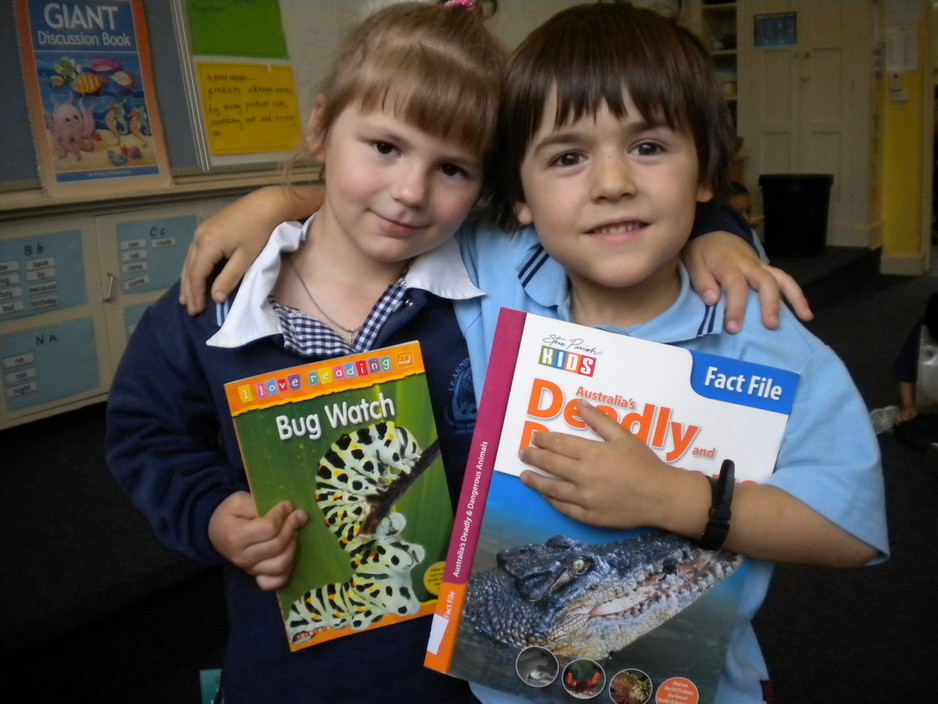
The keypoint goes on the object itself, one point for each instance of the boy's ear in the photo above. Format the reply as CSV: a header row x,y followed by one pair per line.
x,y
315,134
523,213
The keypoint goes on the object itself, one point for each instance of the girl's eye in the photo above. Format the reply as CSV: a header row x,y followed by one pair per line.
x,y
385,148
567,159
453,171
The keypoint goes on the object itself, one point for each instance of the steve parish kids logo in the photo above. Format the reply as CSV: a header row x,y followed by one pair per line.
x,y
569,355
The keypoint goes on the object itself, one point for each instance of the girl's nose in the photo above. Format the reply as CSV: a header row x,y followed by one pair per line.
x,y
410,187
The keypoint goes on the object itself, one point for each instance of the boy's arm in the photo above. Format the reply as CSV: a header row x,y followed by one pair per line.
x,y
238,234
591,484
715,260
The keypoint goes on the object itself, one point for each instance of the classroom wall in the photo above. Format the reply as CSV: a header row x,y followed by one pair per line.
x,y
313,29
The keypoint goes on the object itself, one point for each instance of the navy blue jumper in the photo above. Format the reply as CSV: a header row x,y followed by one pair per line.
x,y
172,447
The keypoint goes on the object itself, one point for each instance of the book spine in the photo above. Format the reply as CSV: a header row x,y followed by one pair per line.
x,y
470,508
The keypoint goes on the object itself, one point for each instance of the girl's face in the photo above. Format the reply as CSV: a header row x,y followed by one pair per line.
x,y
393,191
612,199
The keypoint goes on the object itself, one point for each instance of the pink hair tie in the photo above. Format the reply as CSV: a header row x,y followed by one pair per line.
x,y
468,4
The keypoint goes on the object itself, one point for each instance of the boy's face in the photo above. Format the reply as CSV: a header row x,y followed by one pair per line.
x,y
393,191
613,200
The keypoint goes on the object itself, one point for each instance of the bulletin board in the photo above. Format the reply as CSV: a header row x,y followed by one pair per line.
x,y
239,81
310,33
269,59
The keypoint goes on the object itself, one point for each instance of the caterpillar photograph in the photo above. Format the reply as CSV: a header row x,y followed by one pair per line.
x,y
358,482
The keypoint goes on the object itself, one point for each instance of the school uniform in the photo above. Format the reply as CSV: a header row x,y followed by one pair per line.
x,y
829,457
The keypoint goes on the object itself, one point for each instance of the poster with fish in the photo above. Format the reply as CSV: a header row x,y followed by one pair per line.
x,y
553,610
91,98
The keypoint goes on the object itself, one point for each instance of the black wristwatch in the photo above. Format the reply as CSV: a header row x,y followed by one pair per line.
x,y
721,499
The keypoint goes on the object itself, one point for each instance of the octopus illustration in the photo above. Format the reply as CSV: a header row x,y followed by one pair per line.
x,y
72,128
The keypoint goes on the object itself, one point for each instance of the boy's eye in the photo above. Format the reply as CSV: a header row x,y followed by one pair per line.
x,y
567,159
648,149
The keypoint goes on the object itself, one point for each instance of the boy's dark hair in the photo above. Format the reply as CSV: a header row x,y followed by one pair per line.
x,y
737,189
591,55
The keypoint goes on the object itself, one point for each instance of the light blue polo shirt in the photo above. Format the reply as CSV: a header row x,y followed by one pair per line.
x,y
829,457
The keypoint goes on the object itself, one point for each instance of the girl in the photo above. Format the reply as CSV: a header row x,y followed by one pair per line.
x,y
404,161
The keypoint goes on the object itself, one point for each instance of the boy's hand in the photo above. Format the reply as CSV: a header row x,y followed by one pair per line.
x,y
723,260
614,483
261,546
239,233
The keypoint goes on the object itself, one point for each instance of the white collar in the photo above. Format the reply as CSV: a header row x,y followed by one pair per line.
x,y
251,316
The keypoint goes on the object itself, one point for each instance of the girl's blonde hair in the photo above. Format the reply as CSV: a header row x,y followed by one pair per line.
x,y
435,67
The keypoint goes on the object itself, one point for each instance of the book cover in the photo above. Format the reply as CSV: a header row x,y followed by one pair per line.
x,y
541,606
91,98
353,442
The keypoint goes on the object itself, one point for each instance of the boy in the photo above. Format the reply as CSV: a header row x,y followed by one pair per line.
x,y
618,131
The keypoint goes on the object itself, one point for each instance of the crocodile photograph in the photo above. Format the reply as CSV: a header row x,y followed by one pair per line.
x,y
581,600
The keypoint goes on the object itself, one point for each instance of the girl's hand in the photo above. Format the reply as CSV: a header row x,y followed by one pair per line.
x,y
264,546
723,260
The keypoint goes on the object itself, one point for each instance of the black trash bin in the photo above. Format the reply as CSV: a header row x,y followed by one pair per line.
x,y
795,207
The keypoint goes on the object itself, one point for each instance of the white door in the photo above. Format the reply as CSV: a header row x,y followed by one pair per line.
x,y
805,102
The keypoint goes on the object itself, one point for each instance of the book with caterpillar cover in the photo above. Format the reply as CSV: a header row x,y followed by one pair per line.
x,y
544,607
353,442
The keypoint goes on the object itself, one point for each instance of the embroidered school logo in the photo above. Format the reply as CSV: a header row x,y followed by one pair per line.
x,y
568,361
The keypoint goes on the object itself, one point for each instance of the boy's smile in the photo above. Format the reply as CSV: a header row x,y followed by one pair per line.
x,y
612,200
394,191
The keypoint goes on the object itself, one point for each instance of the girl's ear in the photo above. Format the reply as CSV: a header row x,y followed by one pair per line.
x,y
315,130
704,193
523,213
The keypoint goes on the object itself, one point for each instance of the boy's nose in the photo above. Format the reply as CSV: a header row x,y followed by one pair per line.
x,y
612,177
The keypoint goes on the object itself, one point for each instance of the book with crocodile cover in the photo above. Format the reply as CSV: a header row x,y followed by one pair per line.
x,y
353,442
549,609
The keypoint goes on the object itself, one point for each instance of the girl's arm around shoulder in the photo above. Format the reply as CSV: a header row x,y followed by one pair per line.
x,y
721,255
